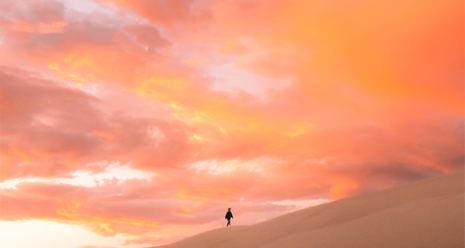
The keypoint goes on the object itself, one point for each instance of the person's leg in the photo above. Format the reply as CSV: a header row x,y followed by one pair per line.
x,y
229,223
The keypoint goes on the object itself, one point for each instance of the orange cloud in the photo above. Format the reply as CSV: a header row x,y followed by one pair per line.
x,y
335,48
105,135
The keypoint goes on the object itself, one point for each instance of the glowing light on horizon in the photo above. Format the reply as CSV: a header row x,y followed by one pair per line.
x,y
42,233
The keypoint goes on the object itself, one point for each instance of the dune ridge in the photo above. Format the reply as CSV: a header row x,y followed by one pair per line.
x,y
427,214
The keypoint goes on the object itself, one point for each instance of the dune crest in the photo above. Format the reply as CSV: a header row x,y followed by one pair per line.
x,y
426,214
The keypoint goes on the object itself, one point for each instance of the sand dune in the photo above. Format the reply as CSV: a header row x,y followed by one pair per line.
x,y
424,214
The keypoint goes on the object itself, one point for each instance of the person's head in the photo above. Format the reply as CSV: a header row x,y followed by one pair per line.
x,y
229,209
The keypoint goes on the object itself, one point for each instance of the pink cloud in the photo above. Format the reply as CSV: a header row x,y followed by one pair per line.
x,y
33,16
166,13
371,102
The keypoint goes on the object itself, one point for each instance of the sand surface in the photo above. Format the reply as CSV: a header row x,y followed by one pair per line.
x,y
423,214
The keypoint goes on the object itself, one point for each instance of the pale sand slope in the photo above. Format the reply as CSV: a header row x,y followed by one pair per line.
x,y
427,213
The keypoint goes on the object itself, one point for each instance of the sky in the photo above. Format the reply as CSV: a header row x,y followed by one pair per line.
x,y
138,123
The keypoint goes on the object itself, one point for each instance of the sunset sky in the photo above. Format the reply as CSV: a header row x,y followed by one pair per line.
x,y
138,123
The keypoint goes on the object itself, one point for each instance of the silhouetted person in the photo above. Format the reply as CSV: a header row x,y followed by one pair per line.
x,y
228,217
